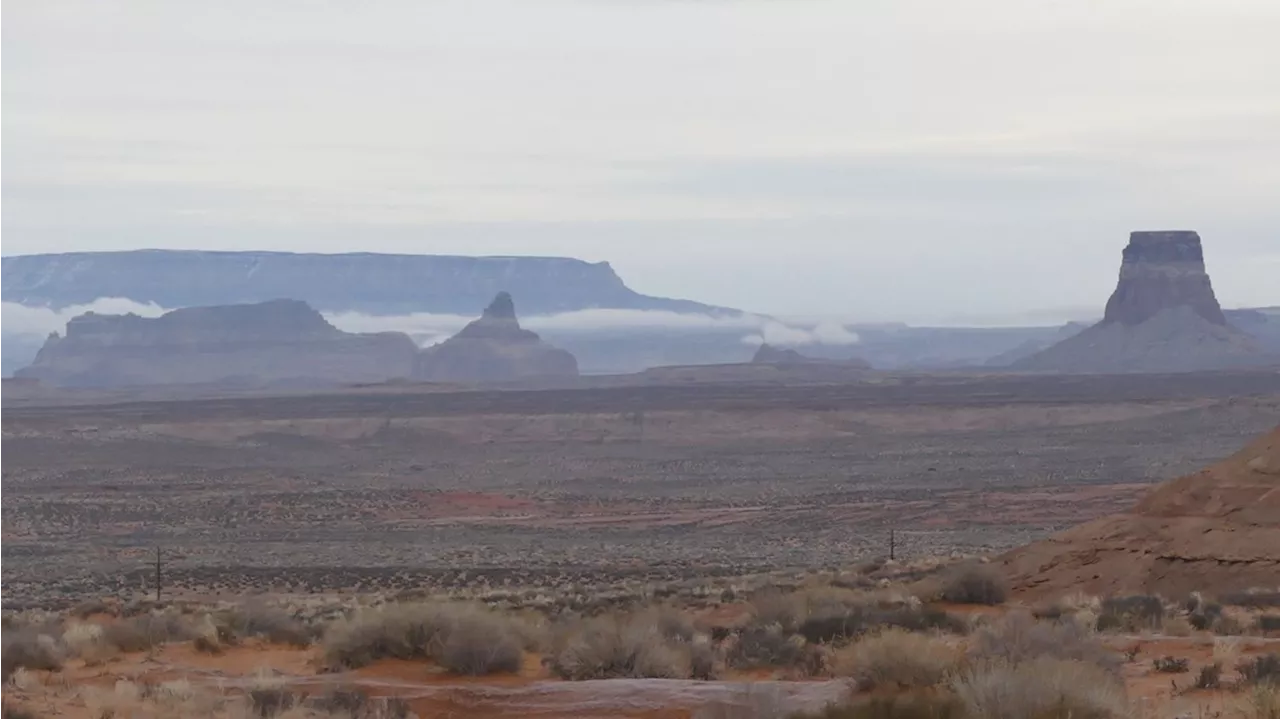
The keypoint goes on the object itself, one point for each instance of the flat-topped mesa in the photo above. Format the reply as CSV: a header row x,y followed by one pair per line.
x,y
273,342
1162,270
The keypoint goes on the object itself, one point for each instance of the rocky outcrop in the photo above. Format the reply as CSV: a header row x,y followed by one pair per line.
x,y
1160,271
494,348
769,354
1218,529
364,282
1162,317
281,341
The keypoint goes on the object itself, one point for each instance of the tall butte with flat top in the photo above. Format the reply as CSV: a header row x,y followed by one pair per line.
x,y
1161,270
1162,317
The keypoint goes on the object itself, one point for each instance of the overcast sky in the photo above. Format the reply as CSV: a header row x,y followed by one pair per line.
x,y
868,159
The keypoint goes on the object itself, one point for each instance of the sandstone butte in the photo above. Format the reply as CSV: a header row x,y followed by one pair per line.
x,y
1217,530
1162,317
494,348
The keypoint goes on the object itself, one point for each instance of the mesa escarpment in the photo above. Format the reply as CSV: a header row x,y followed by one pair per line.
x,y
280,341
1216,529
494,348
1162,317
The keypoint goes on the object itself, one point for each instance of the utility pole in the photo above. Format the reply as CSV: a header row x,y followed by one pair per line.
x,y
157,573
892,549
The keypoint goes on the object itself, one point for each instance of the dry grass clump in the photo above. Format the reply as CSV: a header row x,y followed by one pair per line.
x,y
256,619
1018,638
463,638
1256,598
898,659
974,584
1135,613
1044,687
146,631
30,649
1262,669
643,645
1264,702
772,647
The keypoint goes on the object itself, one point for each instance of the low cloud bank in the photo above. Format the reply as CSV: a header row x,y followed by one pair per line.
x,y
429,328
19,319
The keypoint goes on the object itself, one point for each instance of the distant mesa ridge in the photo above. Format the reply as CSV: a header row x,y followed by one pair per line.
x,y
379,284
769,354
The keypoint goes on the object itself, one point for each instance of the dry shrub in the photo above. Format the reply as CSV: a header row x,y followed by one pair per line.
x,y
1210,676
1262,669
145,631
465,639
786,610
859,620
1264,702
622,646
768,647
1169,664
1018,638
29,649
1135,613
974,584
1045,687
260,620
1268,623
898,659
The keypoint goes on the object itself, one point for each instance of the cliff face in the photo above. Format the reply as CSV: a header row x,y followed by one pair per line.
x,y
1162,317
357,282
1162,270
281,341
494,348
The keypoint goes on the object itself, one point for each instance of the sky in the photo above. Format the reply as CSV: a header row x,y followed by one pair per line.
x,y
932,162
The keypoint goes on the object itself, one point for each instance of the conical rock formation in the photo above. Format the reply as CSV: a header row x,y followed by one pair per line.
x,y
1216,530
494,348
1162,317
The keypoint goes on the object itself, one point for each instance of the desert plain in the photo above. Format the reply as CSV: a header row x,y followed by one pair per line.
x,y
708,497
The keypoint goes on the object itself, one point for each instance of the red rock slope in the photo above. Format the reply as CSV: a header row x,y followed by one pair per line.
x,y
1215,531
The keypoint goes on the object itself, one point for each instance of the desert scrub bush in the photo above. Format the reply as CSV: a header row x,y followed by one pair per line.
x,y
1268,623
1171,665
974,584
1264,702
898,659
1262,669
1042,687
856,621
1018,638
1134,613
262,621
614,646
1210,676
773,647
145,631
463,638
29,649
